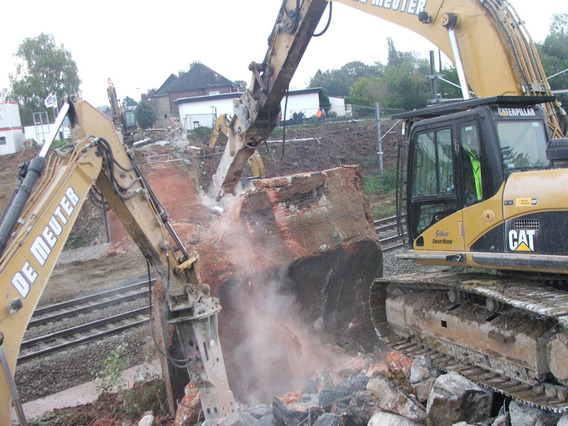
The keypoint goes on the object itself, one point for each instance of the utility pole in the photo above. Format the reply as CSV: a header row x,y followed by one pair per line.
x,y
379,143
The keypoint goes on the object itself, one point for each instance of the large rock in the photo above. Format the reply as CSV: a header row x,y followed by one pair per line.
x,y
454,398
291,260
390,397
422,376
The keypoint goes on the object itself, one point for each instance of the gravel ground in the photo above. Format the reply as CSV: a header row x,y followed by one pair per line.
x,y
53,373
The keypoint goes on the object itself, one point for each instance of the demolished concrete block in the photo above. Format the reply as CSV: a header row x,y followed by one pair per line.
x,y
329,396
353,383
422,376
422,370
292,261
391,398
454,398
390,419
361,408
189,408
244,419
525,415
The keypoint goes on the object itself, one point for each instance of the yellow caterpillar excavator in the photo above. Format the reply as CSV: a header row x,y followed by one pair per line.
x,y
483,189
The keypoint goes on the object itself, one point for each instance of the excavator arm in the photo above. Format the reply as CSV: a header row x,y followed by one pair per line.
x,y
34,240
486,40
256,112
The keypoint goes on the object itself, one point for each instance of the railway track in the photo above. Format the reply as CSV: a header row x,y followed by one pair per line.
x,y
388,233
54,327
81,320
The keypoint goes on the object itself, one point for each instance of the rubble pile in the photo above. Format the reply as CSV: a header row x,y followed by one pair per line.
x,y
388,393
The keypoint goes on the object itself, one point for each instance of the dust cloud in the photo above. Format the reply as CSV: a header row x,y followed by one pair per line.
x,y
274,349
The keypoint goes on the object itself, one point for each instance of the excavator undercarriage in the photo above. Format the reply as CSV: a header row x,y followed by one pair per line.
x,y
504,332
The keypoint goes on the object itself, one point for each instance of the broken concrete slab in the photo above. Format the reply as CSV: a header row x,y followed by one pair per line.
x,y
391,398
422,376
454,398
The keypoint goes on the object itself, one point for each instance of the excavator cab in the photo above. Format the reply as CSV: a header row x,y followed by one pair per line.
x,y
474,169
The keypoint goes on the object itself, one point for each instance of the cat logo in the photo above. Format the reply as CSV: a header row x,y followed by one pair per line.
x,y
521,239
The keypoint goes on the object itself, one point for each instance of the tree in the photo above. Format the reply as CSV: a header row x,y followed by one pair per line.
x,y
241,85
367,91
42,68
145,115
402,84
129,102
339,82
554,51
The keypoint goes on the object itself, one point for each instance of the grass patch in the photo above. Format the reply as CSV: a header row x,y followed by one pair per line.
x,y
380,211
373,183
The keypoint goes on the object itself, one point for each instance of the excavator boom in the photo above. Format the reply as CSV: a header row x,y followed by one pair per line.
x,y
463,30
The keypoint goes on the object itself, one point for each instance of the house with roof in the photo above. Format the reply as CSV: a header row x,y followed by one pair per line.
x,y
201,95
200,111
199,80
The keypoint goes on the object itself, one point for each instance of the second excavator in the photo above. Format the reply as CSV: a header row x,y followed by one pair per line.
x,y
484,189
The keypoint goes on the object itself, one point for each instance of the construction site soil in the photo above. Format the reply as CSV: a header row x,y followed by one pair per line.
x,y
307,148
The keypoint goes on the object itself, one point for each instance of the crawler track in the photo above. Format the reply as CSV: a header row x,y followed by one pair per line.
x,y
545,302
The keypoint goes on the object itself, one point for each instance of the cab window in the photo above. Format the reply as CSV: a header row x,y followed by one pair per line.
x,y
433,167
432,186
523,144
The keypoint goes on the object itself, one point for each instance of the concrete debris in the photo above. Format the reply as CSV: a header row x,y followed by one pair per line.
x,y
525,415
189,408
376,369
291,262
397,361
286,412
454,398
328,419
391,398
244,419
422,376
354,383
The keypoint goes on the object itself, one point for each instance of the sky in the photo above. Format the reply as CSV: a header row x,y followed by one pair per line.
x,y
139,44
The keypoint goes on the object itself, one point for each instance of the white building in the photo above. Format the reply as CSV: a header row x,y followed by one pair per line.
x,y
337,106
204,110
11,131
